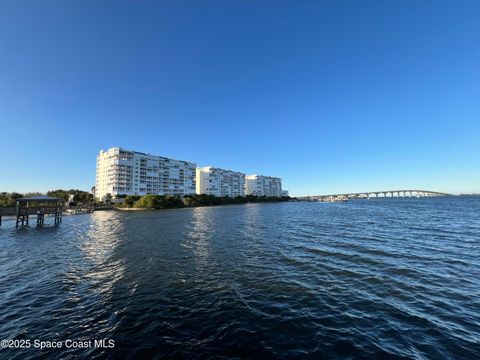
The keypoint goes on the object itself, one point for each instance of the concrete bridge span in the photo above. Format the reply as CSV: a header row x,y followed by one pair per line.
x,y
375,194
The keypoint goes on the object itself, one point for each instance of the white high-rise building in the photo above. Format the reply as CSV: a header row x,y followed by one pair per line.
x,y
260,185
220,182
124,172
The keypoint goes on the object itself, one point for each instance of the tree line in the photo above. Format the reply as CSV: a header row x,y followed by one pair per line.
x,y
146,201
193,200
9,199
80,196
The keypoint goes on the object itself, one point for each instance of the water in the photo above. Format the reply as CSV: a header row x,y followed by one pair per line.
x,y
363,279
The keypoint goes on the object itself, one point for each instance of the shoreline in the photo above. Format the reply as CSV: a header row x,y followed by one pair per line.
x,y
135,209
193,207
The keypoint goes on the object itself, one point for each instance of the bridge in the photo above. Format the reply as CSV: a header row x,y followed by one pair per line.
x,y
375,195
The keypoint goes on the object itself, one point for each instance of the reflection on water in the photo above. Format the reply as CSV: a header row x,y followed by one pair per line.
x,y
199,233
365,279
101,241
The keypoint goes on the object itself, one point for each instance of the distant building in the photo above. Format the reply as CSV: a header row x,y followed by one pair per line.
x,y
263,185
220,182
285,193
124,172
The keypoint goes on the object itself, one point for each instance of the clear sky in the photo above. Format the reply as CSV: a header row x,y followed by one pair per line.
x,y
332,96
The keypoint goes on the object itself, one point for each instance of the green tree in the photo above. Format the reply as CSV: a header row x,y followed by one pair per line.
x,y
147,201
130,200
108,198
9,199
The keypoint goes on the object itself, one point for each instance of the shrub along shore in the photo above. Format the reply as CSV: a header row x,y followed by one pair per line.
x,y
84,197
176,201
145,202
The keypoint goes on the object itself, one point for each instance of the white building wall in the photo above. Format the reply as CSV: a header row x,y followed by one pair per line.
x,y
124,172
260,185
220,182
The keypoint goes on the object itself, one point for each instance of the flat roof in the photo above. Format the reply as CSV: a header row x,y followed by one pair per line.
x,y
39,198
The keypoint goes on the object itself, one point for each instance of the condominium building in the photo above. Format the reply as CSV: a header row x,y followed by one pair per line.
x,y
263,185
220,182
124,172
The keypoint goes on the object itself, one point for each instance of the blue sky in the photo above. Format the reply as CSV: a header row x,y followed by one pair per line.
x,y
332,96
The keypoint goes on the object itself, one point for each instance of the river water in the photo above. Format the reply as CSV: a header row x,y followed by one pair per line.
x,y
383,278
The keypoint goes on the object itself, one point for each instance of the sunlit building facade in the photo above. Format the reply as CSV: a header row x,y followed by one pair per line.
x,y
124,172
220,182
260,185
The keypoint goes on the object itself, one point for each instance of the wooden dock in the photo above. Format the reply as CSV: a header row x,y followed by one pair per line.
x,y
39,206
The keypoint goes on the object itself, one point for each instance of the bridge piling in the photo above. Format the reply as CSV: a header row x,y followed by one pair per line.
x,y
376,194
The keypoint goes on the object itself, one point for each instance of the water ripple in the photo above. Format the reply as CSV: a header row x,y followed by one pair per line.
x,y
387,279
